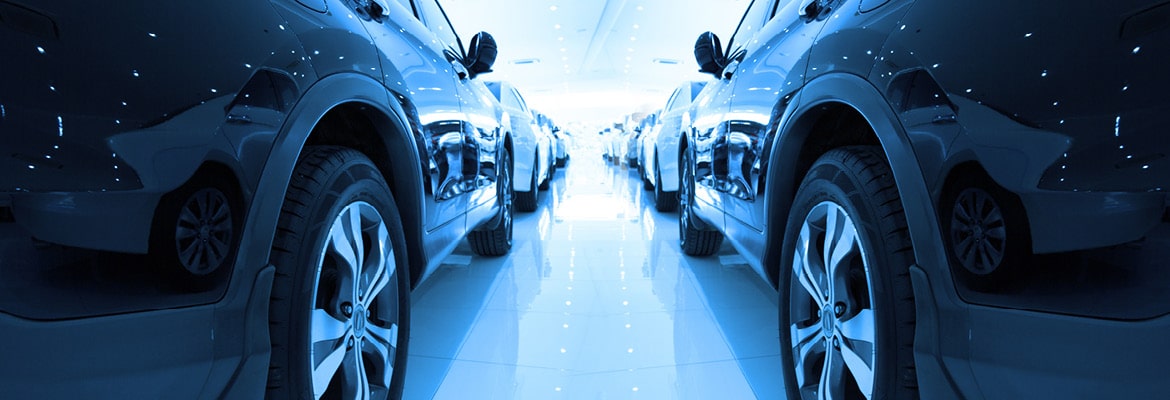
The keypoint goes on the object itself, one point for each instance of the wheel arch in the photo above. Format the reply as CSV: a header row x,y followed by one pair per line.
x,y
350,110
812,124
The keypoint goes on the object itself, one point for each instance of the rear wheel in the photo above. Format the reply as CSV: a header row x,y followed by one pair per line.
x,y
646,184
339,312
497,240
985,233
695,238
847,309
526,201
198,235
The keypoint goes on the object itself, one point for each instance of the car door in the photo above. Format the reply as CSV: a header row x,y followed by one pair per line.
x,y
710,124
414,60
767,68
480,128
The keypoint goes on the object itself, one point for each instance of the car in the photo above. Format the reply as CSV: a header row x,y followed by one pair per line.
x,y
238,211
534,157
634,142
658,158
952,201
561,138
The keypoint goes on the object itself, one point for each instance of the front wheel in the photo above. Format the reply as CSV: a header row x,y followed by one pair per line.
x,y
497,240
695,238
663,201
339,312
847,308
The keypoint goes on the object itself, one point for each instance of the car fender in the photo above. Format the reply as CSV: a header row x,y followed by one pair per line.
x,y
318,100
867,100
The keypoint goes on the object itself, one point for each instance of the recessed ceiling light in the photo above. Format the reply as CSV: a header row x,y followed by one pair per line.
x,y
564,49
557,26
561,38
640,8
636,26
552,8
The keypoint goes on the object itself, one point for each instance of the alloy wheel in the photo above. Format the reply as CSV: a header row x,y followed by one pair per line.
x,y
203,232
353,324
833,329
978,234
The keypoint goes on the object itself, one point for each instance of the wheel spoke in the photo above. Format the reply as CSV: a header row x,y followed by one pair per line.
x,y
380,265
807,360
991,253
857,348
832,376
381,347
860,327
327,328
328,335
346,242
806,272
357,384
189,253
996,232
840,244
861,370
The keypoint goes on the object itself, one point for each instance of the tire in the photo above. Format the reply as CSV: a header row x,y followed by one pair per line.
x,y
646,184
847,325
548,177
985,232
695,238
497,240
526,201
334,336
663,201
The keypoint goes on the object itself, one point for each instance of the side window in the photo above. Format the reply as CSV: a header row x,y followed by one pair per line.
x,y
758,13
520,100
673,102
435,19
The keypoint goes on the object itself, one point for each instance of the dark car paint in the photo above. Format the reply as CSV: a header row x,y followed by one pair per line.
x,y
236,102
937,100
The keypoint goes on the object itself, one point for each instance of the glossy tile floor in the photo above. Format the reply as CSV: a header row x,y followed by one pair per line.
x,y
595,301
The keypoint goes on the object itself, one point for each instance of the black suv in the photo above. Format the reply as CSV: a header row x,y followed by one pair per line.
x,y
954,199
223,198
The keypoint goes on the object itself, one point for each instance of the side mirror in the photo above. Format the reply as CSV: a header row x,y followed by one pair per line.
x,y
481,54
709,54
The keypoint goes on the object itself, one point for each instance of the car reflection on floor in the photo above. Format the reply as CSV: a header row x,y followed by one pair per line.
x,y
595,301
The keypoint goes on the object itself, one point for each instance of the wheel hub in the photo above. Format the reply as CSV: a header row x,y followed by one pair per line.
x,y
359,321
828,322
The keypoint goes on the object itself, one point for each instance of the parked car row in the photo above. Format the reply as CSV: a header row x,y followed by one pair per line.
x,y
953,201
535,159
243,211
658,149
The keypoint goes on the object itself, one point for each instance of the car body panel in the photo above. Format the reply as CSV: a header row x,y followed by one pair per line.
x,y
533,148
660,152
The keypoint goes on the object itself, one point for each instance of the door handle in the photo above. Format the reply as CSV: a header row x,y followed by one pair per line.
x,y
813,9
375,10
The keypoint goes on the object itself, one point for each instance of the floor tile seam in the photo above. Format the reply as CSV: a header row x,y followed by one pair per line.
x,y
585,373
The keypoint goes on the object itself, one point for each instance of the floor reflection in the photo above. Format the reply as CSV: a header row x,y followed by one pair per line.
x,y
594,301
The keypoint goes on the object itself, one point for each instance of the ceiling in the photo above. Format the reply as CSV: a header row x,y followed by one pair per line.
x,y
594,61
